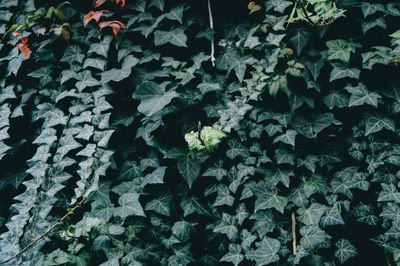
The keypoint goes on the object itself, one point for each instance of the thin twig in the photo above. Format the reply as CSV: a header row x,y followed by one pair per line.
x,y
306,13
212,39
294,232
60,222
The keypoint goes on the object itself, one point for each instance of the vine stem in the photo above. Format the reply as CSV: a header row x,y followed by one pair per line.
x,y
294,232
306,13
212,27
66,216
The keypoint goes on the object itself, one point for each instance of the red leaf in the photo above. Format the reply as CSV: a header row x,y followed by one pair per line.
x,y
41,31
115,24
99,3
23,47
117,2
93,15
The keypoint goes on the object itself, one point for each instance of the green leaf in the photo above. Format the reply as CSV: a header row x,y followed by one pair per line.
x,y
339,72
175,37
116,74
389,193
217,170
311,126
288,138
129,205
278,5
182,230
313,236
267,198
224,197
158,4
345,250
236,149
266,252
234,255
153,97
336,98
102,47
72,54
375,123
85,80
340,50
189,166
360,95
160,205
263,222
227,226
176,13
311,215
193,205
300,38
209,137
332,217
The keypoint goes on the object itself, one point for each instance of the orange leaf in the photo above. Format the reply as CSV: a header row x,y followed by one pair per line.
x,y
99,3
114,24
93,15
16,33
23,47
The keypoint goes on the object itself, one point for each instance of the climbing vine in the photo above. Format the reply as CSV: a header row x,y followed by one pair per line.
x,y
155,132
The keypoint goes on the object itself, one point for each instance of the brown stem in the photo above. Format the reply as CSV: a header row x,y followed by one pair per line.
x,y
66,216
294,232
306,13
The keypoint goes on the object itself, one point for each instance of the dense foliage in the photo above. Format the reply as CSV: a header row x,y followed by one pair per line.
x,y
103,159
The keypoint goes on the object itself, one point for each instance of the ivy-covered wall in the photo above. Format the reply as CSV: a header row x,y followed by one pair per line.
x,y
298,156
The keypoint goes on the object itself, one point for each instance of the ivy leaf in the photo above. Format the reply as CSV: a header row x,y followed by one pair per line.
x,y
300,38
129,205
288,138
176,13
340,49
312,215
160,205
224,197
175,37
345,250
153,97
217,170
312,236
227,226
311,126
389,193
234,255
267,198
189,166
156,177
193,205
236,149
339,72
279,5
332,217
72,54
158,4
360,95
375,123
102,47
336,98
264,222
266,252
85,80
